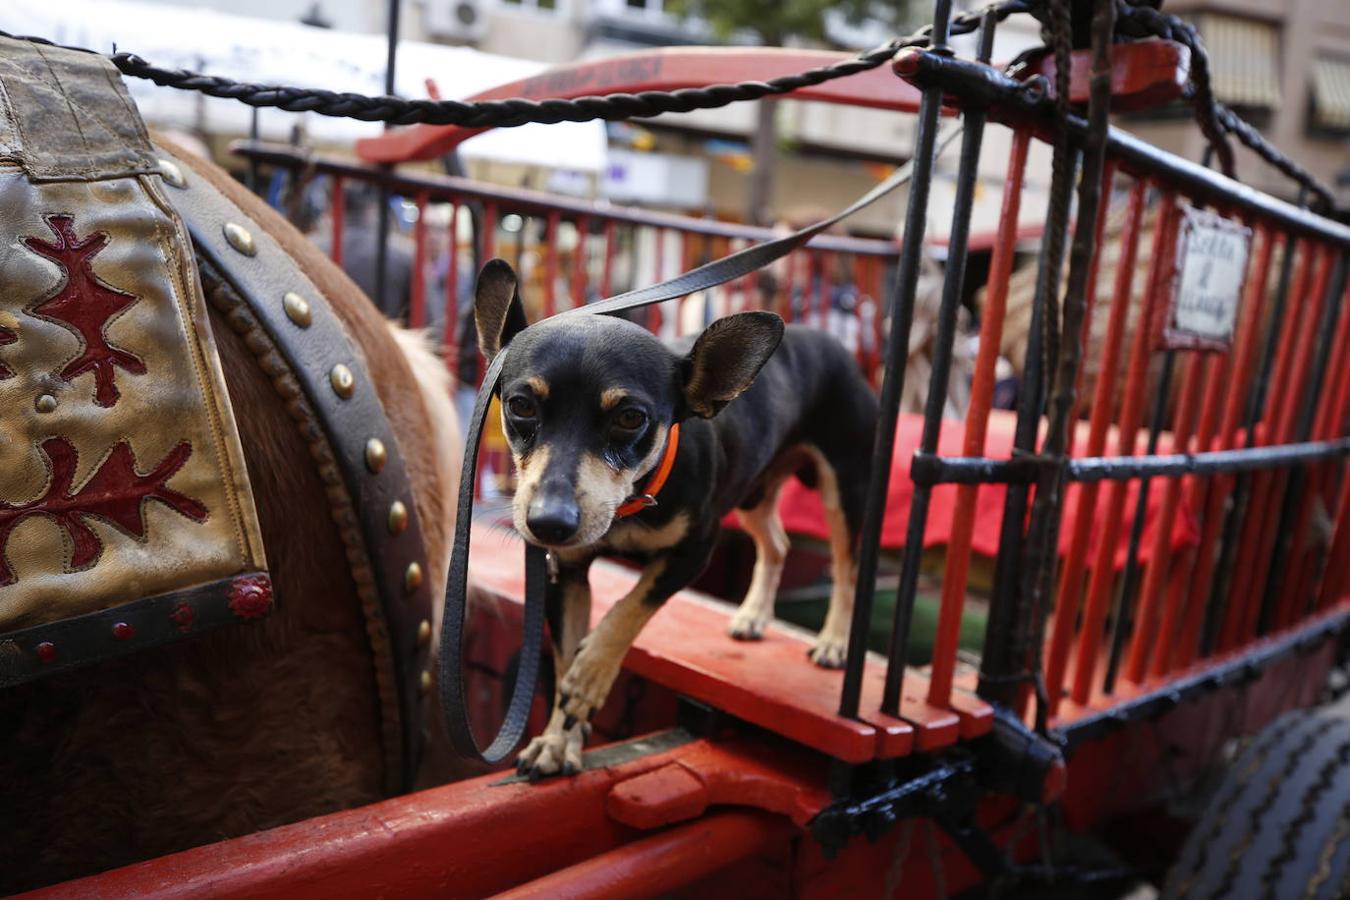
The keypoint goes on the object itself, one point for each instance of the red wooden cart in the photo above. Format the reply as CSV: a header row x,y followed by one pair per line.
x,y
1201,582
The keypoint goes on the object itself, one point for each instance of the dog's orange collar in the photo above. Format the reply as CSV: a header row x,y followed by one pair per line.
x,y
654,484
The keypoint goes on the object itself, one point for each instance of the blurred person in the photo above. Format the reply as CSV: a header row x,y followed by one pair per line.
x,y
360,252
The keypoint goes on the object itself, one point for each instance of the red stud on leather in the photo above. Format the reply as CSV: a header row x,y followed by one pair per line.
x,y
183,616
46,651
124,631
251,596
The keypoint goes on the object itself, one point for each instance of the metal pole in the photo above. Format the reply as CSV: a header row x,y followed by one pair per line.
x,y
893,382
946,641
251,179
382,238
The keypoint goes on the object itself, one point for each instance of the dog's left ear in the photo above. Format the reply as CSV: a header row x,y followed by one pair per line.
x,y
497,310
726,358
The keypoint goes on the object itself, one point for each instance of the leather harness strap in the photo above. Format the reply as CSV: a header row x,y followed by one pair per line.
x,y
454,701
382,533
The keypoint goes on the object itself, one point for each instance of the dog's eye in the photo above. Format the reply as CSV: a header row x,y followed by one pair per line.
x,y
521,407
631,419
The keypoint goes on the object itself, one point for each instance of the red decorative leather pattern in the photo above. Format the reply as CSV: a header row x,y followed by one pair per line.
x,y
6,337
115,493
85,305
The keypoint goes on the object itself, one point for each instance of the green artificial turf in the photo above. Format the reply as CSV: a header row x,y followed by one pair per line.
x,y
810,613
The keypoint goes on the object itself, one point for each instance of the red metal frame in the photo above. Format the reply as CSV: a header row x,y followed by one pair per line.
x,y
977,422
1245,602
1145,635
1131,415
1219,488
1071,579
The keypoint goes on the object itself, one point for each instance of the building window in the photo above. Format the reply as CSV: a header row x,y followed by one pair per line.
x,y
1244,60
646,8
546,6
1330,96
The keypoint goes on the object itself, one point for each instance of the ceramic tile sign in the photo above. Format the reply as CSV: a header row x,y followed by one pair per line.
x,y
1207,282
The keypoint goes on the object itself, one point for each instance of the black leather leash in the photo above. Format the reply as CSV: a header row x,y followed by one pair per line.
x,y
452,685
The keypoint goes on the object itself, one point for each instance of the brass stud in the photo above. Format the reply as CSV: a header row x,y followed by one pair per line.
x,y
297,309
412,577
173,175
45,404
376,455
425,682
398,517
240,238
343,381
424,633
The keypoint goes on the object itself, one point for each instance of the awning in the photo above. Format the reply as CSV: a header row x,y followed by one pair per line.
x,y
1243,59
1331,93
278,52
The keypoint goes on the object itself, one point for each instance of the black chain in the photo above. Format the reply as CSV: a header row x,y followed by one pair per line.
x,y
517,111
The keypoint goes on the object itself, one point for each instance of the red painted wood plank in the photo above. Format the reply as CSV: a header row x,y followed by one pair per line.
x,y
472,838
685,647
933,726
977,717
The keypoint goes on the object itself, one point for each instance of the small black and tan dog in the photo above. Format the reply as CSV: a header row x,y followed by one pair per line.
x,y
600,415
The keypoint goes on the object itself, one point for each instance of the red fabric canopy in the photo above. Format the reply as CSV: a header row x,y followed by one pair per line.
x,y
803,514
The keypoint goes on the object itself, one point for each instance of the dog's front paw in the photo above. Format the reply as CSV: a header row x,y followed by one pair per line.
x,y
748,625
586,685
829,652
554,751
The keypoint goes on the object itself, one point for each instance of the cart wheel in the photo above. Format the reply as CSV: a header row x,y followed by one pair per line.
x,y
1279,826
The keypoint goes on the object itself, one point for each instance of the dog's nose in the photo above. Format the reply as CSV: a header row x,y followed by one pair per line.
x,y
553,517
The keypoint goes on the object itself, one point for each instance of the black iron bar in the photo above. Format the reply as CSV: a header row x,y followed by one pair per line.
x,y
251,176
1298,479
931,469
893,379
382,235
1209,463
1042,542
1025,470
966,177
1237,503
1125,604
1002,659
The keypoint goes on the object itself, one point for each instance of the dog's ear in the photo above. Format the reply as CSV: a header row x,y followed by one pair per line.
x,y
726,358
497,310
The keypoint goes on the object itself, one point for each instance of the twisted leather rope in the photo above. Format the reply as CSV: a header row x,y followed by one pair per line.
x,y
454,702
512,112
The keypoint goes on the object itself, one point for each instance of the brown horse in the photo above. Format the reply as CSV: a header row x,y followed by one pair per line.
x,y
251,726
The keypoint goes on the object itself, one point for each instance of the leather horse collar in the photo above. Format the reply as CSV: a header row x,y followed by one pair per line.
x,y
246,272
